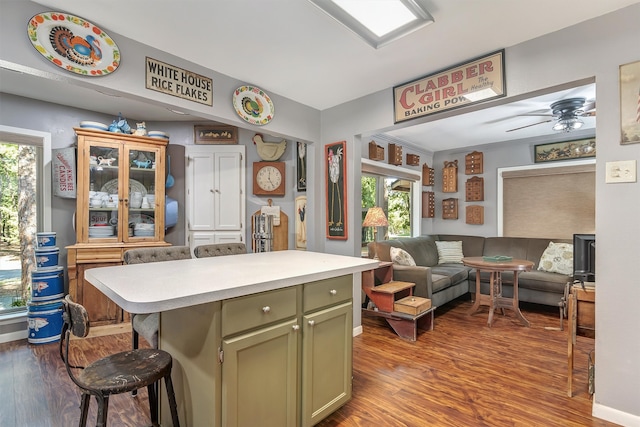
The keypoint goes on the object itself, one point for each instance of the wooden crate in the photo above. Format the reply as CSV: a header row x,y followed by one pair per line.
x,y
412,305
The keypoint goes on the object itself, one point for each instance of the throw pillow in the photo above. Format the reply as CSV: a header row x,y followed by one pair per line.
x,y
557,258
401,257
449,252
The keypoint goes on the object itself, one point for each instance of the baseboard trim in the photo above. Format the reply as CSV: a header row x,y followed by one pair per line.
x,y
614,415
357,330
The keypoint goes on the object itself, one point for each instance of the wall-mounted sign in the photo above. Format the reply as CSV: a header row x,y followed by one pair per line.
x,y
63,170
179,82
469,83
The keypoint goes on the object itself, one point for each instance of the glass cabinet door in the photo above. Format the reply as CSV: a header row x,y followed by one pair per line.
x,y
103,198
142,208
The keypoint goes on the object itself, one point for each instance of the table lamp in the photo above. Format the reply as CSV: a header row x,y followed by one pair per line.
x,y
375,218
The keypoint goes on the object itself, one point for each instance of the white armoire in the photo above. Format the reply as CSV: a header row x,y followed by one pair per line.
x,y
215,199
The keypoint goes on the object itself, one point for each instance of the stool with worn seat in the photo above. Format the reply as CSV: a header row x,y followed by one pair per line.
x,y
115,374
219,249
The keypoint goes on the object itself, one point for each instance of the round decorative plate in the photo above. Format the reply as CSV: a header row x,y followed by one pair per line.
x,y
111,187
253,105
73,44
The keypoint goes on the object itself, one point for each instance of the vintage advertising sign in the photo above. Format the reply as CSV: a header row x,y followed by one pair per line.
x,y
478,80
64,172
175,81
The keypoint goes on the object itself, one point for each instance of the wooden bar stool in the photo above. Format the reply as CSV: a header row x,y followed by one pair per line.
x,y
115,374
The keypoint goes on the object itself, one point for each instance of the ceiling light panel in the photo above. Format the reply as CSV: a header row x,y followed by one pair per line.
x,y
379,16
378,22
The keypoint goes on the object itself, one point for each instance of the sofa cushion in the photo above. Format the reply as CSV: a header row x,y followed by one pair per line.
x,y
449,252
543,281
440,282
455,272
422,249
401,257
557,258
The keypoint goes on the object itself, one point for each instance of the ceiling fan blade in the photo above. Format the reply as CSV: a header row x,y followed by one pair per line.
x,y
589,106
533,124
589,109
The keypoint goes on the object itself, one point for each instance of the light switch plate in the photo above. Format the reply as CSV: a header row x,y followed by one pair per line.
x,y
621,171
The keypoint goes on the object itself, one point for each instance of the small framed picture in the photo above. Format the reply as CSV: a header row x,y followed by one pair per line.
x,y
215,134
566,150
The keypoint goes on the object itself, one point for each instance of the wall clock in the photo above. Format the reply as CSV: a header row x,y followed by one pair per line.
x,y
269,178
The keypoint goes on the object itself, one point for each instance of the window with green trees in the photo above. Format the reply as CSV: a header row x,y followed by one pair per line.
x,y
393,195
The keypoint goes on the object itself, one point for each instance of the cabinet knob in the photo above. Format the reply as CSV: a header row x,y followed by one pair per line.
x,y
296,327
266,309
312,322
333,292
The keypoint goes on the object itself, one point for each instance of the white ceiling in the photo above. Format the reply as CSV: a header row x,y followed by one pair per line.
x,y
292,48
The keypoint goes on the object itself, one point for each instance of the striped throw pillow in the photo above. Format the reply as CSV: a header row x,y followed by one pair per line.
x,y
449,252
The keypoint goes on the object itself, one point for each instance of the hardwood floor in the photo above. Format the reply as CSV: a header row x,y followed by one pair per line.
x,y
460,374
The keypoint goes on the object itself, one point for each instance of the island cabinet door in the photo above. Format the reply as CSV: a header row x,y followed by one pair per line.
x,y
260,377
326,362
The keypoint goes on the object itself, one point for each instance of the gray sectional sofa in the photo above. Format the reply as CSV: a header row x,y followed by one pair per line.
x,y
445,282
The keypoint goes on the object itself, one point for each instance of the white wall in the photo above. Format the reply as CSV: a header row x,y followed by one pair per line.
x,y
595,48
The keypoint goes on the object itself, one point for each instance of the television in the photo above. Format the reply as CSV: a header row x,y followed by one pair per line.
x,y
584,257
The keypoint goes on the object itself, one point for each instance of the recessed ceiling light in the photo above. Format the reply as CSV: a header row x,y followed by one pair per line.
x,y
378,22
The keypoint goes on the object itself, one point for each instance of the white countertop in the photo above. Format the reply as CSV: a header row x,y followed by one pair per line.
x,y
161,286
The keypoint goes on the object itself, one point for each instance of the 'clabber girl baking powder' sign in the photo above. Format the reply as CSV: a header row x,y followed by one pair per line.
x,y
478,80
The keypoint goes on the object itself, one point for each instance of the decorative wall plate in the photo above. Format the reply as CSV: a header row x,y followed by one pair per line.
x,y
73,44
253,105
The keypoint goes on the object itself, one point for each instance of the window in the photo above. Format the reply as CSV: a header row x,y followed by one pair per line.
x,y
24,209
393,195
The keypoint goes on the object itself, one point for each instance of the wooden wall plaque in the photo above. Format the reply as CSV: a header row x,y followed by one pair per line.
x,y
428,204
376,152
450,208
450,177
474,189
395,154
428,175
475,214
473,163
413,159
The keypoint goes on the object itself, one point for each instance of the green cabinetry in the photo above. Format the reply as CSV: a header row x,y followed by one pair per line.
x,y
278,358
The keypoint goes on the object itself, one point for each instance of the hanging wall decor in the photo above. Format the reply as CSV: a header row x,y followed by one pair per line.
x,y
253,105
301,222
73,44
630,103
301,170
336,178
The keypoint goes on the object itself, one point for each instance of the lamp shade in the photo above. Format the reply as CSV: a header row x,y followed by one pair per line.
x,y
375,218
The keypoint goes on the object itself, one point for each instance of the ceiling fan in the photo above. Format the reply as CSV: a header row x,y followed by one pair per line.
x,y
566,113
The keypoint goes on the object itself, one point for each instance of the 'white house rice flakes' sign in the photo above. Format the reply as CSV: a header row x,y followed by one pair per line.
x,y
179,82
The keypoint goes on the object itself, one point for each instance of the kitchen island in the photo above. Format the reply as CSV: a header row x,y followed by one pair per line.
x,y
257,339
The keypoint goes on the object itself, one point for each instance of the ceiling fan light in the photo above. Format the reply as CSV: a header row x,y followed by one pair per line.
x,y
567,124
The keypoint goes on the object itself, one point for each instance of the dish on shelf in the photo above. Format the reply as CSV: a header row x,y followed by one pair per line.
x,y
86,124
112,187
138,218
101,231
253,105
143,233
157,134
73,44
